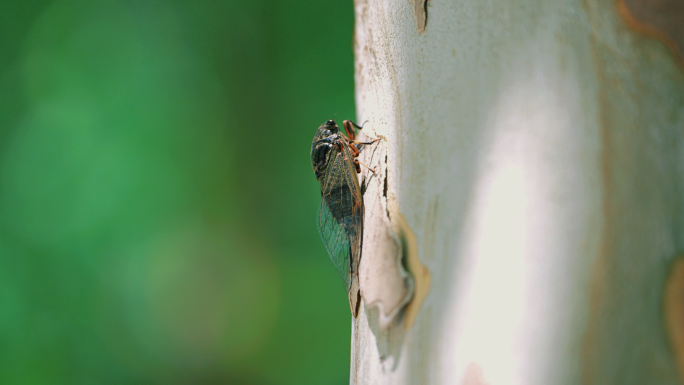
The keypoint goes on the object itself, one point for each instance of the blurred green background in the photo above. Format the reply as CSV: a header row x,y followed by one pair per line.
x,y
157,204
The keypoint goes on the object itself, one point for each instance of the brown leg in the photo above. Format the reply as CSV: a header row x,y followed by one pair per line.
x,y
358,164
355,151
349,129
371,142
356,125
341,146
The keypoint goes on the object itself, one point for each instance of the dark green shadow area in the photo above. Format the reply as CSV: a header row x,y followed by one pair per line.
x,y
157,204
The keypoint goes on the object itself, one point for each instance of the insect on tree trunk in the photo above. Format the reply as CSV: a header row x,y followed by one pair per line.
x,y
531,178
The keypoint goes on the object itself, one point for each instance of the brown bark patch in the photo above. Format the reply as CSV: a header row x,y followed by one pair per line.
x,y
660,19
421,275
673,311
420,14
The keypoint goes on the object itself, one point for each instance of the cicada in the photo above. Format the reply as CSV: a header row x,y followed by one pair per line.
x,y
340,215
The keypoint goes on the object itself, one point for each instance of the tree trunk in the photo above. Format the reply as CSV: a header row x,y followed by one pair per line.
x,y
530,178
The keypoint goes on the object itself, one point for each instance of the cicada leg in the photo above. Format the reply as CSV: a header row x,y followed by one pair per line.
x,y
358,164
355,153
354,124
354,150
356,146
348,128
364,143
341,146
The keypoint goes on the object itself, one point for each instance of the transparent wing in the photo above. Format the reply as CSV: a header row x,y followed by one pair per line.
x,y
336,242
340,215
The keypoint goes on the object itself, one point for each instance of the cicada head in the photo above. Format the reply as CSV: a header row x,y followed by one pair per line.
x,y
326,129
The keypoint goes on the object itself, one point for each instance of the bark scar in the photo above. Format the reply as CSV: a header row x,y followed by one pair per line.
x,y
420,14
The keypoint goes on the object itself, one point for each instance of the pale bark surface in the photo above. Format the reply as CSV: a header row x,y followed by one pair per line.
x,y
536,151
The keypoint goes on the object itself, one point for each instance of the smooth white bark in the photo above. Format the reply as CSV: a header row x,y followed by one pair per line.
x,y
536,151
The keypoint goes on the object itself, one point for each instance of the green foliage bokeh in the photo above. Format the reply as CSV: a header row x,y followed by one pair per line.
x,y
157,204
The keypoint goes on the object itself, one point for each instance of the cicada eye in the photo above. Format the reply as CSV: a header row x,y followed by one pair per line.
x,y
330,123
